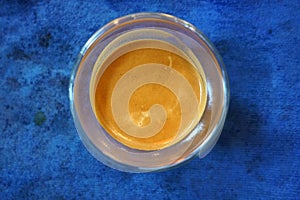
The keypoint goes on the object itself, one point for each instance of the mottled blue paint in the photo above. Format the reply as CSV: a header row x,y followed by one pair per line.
x,y
257,156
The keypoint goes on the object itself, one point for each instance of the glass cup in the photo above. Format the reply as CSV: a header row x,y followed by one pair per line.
x,y
174,35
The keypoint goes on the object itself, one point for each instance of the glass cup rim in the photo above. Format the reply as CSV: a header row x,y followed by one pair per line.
x,y
214,134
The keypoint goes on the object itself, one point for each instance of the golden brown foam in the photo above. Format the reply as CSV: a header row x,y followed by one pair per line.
x,y
174,101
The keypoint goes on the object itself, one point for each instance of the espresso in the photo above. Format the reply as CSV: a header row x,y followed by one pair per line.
x,y
150,98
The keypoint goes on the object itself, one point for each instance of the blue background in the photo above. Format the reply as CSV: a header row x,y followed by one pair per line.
x,y
257,156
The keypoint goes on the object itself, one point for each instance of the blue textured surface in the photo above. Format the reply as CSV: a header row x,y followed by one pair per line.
x,y
257,156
